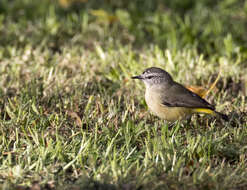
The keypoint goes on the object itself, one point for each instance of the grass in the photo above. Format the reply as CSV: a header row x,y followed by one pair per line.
x,y
72,118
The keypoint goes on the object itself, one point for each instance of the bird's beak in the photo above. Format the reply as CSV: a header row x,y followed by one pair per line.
x,y
137,77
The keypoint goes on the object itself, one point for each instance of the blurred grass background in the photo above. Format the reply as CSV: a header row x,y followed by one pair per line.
x,y
212,27
71,118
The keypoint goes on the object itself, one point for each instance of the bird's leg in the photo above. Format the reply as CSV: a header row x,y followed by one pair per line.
x,y
171,125
175,126
188,121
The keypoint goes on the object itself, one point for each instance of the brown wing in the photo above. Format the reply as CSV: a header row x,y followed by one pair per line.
x,y
179,96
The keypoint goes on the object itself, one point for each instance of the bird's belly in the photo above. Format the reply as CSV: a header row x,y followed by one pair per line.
x,y
165,112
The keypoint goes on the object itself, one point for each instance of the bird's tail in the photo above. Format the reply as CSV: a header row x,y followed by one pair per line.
x,y
211,112
223,116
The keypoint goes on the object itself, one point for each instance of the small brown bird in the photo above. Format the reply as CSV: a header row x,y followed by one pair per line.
x,y
170,100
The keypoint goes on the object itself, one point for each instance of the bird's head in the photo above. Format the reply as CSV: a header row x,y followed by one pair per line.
x,y
154,76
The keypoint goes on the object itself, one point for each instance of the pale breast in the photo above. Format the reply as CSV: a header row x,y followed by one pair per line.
x,y
168,113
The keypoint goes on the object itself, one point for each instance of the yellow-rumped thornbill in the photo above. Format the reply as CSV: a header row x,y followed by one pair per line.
x,y
170,100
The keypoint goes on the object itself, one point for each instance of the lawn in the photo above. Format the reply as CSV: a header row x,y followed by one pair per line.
x,y
72,118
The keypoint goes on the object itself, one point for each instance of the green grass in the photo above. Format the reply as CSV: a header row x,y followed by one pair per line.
x,y
72,118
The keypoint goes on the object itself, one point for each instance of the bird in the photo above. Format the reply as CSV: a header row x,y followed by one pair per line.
x,y
170,100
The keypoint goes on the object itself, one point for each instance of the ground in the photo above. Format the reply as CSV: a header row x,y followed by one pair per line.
x,y
72,118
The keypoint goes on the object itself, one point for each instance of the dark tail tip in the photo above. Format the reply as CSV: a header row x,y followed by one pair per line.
x,y
223,116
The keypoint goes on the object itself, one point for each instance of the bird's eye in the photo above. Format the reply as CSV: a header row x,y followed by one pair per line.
x,y
149,77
